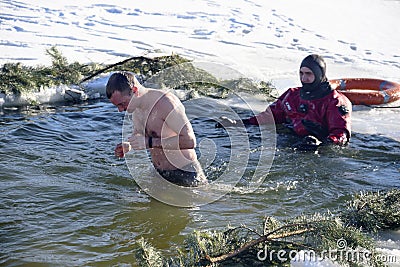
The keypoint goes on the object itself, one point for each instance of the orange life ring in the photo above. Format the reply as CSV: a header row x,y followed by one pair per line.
x,y
367,91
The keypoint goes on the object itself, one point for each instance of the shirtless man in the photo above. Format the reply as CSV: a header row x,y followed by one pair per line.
x,y
160,125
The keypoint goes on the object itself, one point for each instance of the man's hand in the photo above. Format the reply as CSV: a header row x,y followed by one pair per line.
x,y
315,129
308,143
138,142
225,122
121,149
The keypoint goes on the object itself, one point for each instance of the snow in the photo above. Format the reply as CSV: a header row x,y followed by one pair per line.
x,y
264,40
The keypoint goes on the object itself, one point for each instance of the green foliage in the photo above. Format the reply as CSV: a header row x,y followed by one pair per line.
x,y
317,233
150,66
271,224
341,238
215,243
172,71
267,88
374,211
186,76
61,71
147,255
16,78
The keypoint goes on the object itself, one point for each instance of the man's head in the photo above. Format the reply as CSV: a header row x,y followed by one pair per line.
x,y
313,71
120,87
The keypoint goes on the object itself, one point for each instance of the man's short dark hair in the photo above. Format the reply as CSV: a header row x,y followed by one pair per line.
x,y
122,81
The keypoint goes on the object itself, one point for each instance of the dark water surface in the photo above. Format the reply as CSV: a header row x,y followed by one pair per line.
x,y
66,201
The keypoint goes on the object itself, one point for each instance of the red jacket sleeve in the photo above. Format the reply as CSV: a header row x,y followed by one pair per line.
x,y
339,119
273,114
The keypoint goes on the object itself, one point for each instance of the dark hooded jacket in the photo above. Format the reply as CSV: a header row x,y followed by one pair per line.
x,y
313,109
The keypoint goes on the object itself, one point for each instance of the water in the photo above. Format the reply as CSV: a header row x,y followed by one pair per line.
x,y
65,200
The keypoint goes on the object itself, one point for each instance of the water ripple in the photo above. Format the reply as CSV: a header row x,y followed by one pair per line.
x,y
65,200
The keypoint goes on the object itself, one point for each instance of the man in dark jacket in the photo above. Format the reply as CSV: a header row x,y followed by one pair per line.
x,y
315,111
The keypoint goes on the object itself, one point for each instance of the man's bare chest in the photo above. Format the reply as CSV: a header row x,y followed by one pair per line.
x,y
154,126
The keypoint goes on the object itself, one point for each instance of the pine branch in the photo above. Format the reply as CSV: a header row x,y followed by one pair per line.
x,y
268,237
111,66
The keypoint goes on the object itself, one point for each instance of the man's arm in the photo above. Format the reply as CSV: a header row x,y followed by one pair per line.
x,y
339,121
265,117
176,120
133,142
274,114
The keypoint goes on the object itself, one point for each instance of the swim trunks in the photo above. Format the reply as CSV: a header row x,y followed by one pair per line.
x,y
189,176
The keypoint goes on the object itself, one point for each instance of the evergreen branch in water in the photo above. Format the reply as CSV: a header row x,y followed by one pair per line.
x,y
147,255
373,212
16,78
109,67
167,71
345,236
269,237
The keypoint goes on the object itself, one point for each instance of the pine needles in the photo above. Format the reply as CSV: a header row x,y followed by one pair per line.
x,y
342,238
164,71
373,212
16,78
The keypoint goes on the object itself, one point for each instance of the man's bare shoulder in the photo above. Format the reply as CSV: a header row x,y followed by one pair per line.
x,y
168,99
